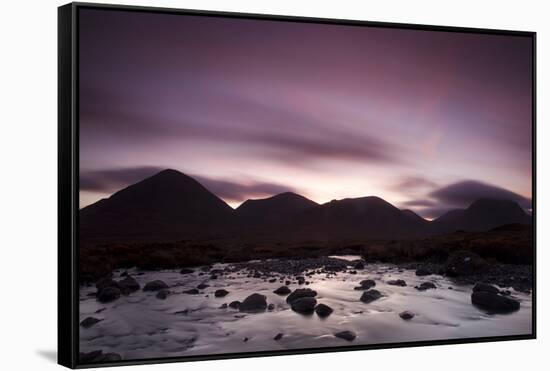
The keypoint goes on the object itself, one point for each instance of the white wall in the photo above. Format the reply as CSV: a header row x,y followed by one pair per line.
x,y
28,181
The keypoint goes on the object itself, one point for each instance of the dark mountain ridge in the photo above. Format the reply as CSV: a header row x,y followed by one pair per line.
x,y
167,205
482,215
172,206
275,209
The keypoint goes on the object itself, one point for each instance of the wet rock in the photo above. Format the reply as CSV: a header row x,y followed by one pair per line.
x,y
406,315
359,265
191,292
300,293
186,271
163,294
422,272
124,274
128,285
272,280
401,283
253,303
94,356
245,340
370,296
426,286
203,286
283,290
104,283
271,307
278,337
346,335
287,282
97,356
464,263
155,286
214,277
111,357
494,302
89,322
220,293
304,305
108,294
480,286
323,310
235,304
365,285
223,306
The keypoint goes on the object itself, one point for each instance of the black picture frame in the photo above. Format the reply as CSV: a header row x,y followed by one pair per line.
x,y
68,181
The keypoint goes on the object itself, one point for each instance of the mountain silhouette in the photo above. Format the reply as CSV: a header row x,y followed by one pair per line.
x,y
168,205
483,214
171,206
276,209
357,218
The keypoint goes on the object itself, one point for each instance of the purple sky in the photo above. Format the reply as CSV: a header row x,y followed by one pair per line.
x,y
426,120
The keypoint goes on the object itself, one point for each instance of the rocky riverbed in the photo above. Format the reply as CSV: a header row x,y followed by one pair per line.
x,y
295,304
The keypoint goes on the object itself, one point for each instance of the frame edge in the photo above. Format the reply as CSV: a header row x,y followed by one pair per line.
x,y
66,310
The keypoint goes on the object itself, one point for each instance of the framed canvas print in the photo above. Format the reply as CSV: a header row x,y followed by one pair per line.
x,y
237,185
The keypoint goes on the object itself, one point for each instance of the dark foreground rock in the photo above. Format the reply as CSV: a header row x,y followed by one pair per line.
x,y
422,272
186,271
278,337
494,302
426,286
253,303
406,315
128,285
155,286
235,304
401,283
365,285
104,283
370,296
463,263
97,356
304,305
346,335
480,286
323,310
283,290
163,294
301,293
108,294
191,291
89,322
220,293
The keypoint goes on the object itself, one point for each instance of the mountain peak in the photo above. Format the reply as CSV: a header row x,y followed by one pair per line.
x,y
274,208
168,204
483,214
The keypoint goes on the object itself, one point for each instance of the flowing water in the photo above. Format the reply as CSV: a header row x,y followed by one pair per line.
x,y
142,326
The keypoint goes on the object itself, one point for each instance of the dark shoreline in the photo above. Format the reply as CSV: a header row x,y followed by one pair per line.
x,y
505,254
